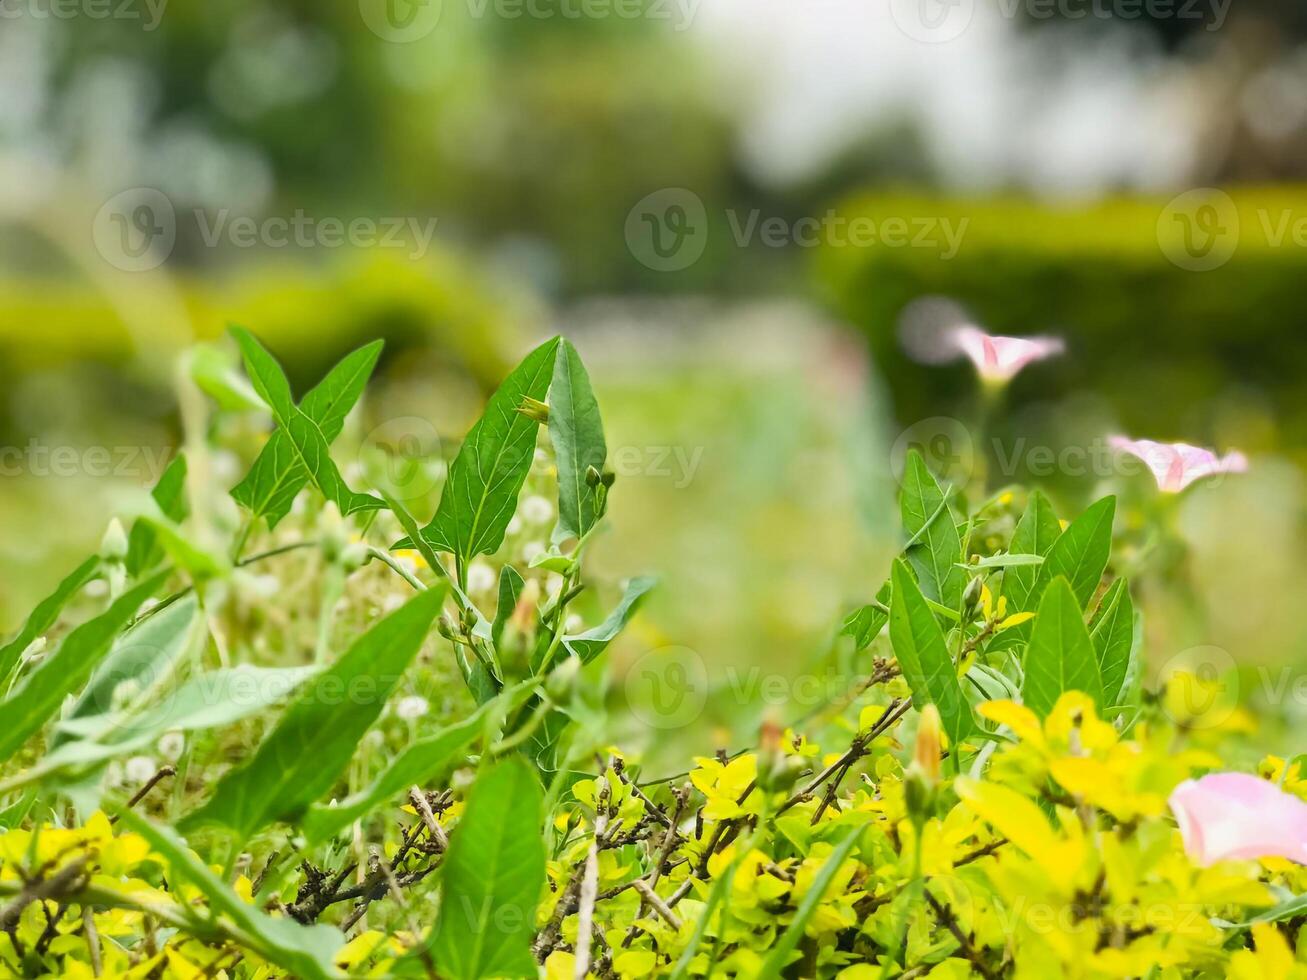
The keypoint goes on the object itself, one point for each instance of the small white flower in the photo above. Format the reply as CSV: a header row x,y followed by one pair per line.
x,y
480,577
531,550
514,525
140,769
97,587
171,745
572,624
374,739
536,509
412,707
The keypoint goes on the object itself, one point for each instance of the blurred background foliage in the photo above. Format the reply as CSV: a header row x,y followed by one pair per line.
x,y
1058,134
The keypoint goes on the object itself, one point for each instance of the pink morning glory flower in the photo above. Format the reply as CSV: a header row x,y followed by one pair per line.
x,y
1235,816
998,359
1175,465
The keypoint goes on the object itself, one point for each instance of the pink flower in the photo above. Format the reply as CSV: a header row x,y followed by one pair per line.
x,y
1175,465
998,359
1232,815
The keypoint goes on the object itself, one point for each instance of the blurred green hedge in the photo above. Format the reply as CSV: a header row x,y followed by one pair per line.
x,y
1169,351
128,325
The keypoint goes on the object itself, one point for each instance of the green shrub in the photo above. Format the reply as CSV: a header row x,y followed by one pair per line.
x,y
989,795
1146,335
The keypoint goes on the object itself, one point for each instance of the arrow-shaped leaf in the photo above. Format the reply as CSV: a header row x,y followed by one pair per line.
x,y
486,476
923,655
936,547
278,475
1113,633
1061,655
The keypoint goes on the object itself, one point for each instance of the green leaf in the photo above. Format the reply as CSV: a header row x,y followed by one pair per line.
x,y
188,556
784,947
304,438
492,878
143,658
934,548
923,655
45,615
511,584
593,642
577,433
422,762
1113,633
316,737
209,700
40,693
143,551
213,369
485,478
1081,552
278,475
864,625
305,951
1060,656
1034,535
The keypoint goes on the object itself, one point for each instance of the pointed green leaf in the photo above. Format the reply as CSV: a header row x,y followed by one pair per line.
x,y
577,433
1113,633
935,548
923,655
593,642
1060,656
143,550
45,615
143,658
492,878
210,700
278,475
305,951
421,763
1081,552
317,736
485,478
511,584
304,438
865,624
1034,535
40,693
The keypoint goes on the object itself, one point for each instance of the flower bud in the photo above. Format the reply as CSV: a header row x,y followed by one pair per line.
x,y
929,749
535,409
971,597
562,681
113,546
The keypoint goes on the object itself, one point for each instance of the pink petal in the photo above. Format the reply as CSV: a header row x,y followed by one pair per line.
x,y
1177,465
997,358
1235,816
